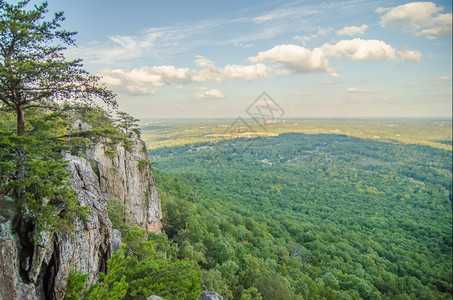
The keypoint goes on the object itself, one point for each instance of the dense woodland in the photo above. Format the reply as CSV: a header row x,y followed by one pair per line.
x,y
311,216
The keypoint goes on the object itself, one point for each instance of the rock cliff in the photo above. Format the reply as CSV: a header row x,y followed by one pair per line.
x,y
40,271
127,177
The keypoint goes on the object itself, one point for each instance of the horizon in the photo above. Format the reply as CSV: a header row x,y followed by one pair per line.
x,y
446,118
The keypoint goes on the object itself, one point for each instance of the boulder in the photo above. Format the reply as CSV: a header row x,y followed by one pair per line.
x,y
206,295
154,298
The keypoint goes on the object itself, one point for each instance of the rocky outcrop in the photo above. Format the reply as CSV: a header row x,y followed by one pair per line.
x,y
206,295
42,273
87,250
153,297
126,176
39,271
8,269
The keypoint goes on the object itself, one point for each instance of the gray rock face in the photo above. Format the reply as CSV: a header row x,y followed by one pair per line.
x,y
51,260
154,298
116,241
8,269
127,177
210,296
87,250
42,273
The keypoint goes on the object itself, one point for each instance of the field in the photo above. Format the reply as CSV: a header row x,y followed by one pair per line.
x,y
167,133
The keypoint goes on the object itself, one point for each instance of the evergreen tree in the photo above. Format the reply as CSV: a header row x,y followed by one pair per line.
x,y
33,70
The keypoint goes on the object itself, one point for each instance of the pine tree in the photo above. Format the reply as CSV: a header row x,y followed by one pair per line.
x,y
33,70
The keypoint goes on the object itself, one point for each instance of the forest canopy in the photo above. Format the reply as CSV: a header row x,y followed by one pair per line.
x,y
312,216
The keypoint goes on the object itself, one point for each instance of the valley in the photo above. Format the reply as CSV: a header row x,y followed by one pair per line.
x,y
315,213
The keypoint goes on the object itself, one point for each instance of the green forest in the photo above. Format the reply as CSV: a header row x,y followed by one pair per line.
x,y
311,216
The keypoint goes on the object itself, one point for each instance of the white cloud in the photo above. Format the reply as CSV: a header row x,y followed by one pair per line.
x,y
445,78
352,30
139,80
360,91
204,62
409,55
237,72
302,39
248,45
418,18
358,49
211,94
299,94
321,32
157,76
335,75
250,72
109,80
181,87
144,80
296,58
140,90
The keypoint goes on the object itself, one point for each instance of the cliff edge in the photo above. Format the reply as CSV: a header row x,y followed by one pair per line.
x,y
127,177
40,271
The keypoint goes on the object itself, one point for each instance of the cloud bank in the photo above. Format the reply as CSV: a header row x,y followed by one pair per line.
x,y
140,80
418,18
294,59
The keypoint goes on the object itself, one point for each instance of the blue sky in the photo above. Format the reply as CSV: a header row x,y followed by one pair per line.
x,y
197,59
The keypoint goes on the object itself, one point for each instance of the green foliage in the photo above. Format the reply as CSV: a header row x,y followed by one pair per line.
x,y
32,173
214,281
113,285
142,164
251,294
154,268
32,166
177,279
146,265
33,68
136,244
117,213
76,286
333,217
274,286
127,123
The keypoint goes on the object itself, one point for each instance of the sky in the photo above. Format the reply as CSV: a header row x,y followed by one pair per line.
x,y
316,59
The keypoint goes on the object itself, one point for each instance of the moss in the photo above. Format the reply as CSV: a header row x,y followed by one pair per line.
x,y
110,153
142,164
113,169
95,168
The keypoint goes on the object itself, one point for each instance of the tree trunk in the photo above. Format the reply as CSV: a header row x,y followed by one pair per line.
x,y
20,121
